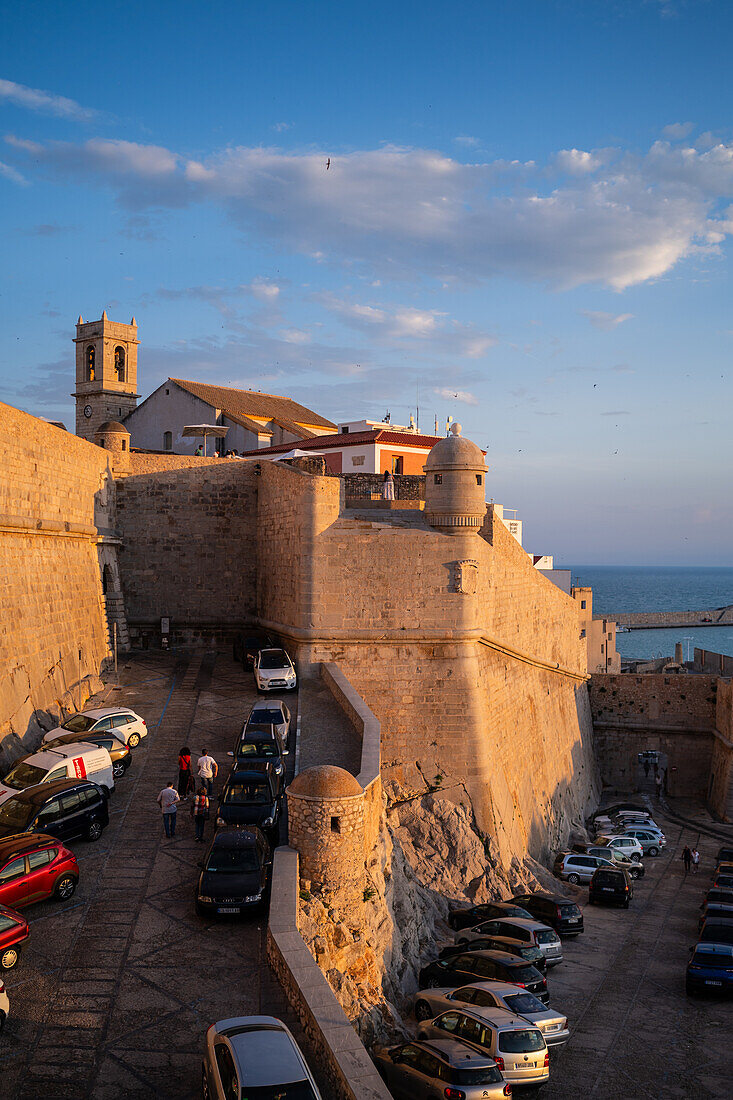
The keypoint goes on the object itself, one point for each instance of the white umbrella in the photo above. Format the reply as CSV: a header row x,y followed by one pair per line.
x,y
295,453
205,430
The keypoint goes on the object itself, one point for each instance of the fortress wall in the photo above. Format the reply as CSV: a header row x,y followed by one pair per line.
x,y
188,546
53,495
684,702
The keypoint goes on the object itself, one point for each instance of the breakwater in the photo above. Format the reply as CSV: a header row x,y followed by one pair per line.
x,y
649,620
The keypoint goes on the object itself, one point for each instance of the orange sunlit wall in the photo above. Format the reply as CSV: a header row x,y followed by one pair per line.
x,y
412,461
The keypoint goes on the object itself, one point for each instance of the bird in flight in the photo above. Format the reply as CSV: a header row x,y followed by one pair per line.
x,y
328,164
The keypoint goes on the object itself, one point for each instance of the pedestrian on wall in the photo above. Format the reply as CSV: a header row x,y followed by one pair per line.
x,y
199,451
167,800
695,860
185,779
207,769
388,486
200,811
658,782
686,858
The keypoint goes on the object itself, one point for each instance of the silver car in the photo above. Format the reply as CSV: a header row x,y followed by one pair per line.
x,y
626,844
440,1068
272,712
254,1055
519,928
575,868
123,722
518,1048
634,869
553,1025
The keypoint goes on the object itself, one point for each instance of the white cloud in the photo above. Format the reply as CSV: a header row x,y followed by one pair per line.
x,y
467,140
12,174
605,321
676,131
46,102
604,216
281,126
456,395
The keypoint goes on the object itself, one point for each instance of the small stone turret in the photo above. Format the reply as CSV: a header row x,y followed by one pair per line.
x,y
455,483
115,438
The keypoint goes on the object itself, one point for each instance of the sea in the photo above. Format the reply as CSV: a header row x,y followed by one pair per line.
x,y
652,588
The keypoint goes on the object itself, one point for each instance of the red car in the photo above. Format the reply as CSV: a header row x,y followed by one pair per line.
x,y
34,867
13,931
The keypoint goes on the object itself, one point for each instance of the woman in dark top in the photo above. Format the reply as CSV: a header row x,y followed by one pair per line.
x,y
185,779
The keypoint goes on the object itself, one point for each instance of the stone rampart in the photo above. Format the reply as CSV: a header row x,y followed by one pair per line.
x,y
720,788
406,486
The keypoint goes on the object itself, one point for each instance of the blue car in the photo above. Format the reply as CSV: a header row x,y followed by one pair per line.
x,y
710,969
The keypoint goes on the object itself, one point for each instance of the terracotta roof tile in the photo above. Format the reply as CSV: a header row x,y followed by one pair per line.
x,y
249,403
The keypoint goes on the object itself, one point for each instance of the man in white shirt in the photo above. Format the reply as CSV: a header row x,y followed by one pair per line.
x,y
207,770
167,800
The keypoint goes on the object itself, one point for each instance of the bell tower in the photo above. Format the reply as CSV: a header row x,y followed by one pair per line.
x,y
106,373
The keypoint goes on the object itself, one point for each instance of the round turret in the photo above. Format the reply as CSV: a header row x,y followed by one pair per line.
x,y
326,826
455,483
115,438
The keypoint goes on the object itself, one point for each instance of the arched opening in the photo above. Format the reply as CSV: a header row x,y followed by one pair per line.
x,y
106,580
120,363
91,360
167,441
124,444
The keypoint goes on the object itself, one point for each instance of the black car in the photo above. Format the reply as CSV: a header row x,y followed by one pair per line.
x,y
719,894
724,855
716,930
609,886
553,909
65,808
715,911
260,748
261,731
518,948
483,966
467,918
235,872
247,645
250,796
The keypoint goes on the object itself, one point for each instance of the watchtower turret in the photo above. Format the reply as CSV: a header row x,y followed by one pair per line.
x,y
455,483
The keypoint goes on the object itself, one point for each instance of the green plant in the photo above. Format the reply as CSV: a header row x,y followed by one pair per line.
x,y
438,779
305,895
369,893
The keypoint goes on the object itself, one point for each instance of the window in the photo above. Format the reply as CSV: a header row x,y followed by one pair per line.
x,y
88,797
335,825
120,364
471,1030
124,444
119,720
6,923
57,773
582,634
91,356
582,605
40,859
437,479
167,441
448,1022
13,870
344,431
70,802
479,479
397,463
49,812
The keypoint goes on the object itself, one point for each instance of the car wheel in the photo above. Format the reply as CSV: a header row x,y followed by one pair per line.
x,y
654,851
9,958
432,983
133,740
65,888
574,879
94,830
118,769
422,1011
636,857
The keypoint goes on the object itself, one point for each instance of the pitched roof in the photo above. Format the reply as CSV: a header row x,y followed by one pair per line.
x,y
240,404
353,439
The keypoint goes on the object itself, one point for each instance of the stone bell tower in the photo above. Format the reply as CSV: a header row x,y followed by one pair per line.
x,y
106,373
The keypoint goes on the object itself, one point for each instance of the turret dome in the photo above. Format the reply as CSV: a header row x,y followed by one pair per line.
x,y
455,488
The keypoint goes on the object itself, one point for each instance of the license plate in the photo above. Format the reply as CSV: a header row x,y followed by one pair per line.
x,y
709,981
573,920
229,909
607,889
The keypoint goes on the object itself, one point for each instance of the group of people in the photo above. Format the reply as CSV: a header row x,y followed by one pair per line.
x,y
168,799
690,857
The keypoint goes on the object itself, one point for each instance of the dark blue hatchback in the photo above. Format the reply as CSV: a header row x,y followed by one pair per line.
x,y
710,969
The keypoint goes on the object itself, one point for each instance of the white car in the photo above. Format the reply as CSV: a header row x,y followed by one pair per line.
x,y
4,1004
626,844
274,671
271,713
66,762
254,1056
124,723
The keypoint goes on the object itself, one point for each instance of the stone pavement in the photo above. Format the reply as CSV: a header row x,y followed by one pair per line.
x,y
117,987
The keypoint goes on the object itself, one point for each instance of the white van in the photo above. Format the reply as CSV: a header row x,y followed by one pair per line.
x,y
78,761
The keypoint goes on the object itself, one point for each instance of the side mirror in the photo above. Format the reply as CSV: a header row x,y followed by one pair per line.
x,y
286,752
230,754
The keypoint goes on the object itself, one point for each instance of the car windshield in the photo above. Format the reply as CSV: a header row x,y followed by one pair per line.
x,y
569,911
14,815
268,715
515,911
487,1075
24,775
522,1003
521,1042
297,1090
545,937
233,861
274,658
78,723
257,748
524,974
247,794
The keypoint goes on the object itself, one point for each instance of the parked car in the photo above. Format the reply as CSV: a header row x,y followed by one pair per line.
x,y
119,752
122,721
272,712
634,816
522,929
628,845
247,645
467,918
261,731
274,671
553,1025
4,1004
254,1056
438,1068
651,842
262,747
723,882
235,872
34,867
483,966
715,912
634,869
710,969
553,909
725,867
518,1048
14,931
251,796
724,854
64,808
719,894
575,868
517,948
610,885
78,761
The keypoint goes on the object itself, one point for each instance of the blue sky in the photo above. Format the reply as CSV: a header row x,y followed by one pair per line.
x,y
525,226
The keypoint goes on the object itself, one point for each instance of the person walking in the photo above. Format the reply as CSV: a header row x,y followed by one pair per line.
x,y
388,486
167,800
686,858
695,860
207,769
200,812
646,768
658,782
185,779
